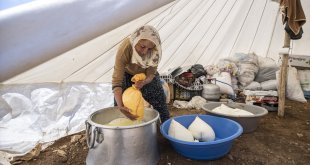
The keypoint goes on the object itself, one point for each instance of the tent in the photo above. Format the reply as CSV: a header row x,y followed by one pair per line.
x,y
56,57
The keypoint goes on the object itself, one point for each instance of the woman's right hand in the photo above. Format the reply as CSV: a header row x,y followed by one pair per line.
x,y
126,112
118,98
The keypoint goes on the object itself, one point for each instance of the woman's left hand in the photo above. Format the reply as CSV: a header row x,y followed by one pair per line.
x,y
140,84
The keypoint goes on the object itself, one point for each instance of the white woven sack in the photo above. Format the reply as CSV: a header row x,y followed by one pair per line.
x,y
253,86
269,85
304,77
293,88
224,82
178,131
201,130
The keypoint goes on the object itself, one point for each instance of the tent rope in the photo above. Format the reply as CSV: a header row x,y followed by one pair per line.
x,y
205,33
243,23
181,22
100,55
203,52
171,9
173,54
273,32
260,20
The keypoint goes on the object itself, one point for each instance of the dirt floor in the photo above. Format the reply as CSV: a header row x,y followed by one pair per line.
x,y
277,140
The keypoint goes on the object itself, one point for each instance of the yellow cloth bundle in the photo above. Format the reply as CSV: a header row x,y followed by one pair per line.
x,y
132,97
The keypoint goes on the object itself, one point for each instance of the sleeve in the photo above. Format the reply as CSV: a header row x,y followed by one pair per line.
x,y
121,60
151,71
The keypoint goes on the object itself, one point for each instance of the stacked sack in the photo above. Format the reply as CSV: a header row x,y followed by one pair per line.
x,y
247,67
265,79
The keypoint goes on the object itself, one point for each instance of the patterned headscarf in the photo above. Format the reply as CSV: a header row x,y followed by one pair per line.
x,y
149,33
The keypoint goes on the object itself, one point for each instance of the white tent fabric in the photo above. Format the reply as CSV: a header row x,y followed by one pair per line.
x,y
199,31
37,31
192,32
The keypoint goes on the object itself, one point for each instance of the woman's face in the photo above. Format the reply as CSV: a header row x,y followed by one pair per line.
x,y
143,47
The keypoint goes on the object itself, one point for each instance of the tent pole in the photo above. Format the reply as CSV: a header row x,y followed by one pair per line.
x,y
283,76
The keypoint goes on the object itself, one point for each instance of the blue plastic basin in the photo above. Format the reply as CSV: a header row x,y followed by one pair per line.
x,y
226,131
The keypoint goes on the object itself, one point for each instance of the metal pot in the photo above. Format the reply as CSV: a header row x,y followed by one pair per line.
x,y
211,91
113,145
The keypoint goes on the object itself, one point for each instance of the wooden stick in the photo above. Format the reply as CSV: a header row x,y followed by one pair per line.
x,y
283,77
287,41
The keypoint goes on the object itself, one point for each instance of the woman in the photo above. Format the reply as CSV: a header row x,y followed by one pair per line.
x,y
140,53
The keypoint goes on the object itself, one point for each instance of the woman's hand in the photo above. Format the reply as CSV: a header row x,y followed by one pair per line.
x,y
126,112
118,98
140,84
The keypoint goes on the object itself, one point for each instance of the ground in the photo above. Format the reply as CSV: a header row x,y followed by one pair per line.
x,y
277,140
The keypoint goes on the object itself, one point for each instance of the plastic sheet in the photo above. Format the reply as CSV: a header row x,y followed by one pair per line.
x,y
40,113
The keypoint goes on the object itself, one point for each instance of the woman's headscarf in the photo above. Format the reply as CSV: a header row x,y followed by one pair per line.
x,y
149,33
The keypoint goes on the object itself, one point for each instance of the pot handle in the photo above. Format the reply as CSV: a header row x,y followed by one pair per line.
x,y
99,135
91,133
